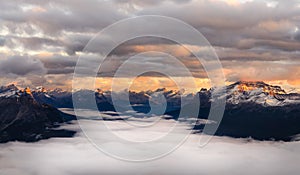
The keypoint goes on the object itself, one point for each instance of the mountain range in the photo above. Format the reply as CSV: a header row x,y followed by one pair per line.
x,y
253,109
237,93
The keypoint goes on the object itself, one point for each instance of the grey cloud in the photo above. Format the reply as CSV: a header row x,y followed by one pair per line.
x,y
156,61
149,2
270,44
57,61
60,71
11,12
21,66
297,36
2,41
76,42
57,64
76,16
225,25
31,43
127,47
219,15
74,47
36,43
269,55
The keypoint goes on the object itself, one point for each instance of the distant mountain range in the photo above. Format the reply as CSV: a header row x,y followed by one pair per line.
x,y
139,100
237,93
253,109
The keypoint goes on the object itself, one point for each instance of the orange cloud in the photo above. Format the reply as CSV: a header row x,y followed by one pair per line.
x,y
175,50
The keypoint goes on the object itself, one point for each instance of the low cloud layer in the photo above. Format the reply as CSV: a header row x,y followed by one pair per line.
x,y
77,156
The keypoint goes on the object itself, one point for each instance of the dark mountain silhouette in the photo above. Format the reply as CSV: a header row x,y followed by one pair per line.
x,y
23,119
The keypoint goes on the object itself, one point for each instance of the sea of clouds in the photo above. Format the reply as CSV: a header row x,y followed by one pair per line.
x,y
77,156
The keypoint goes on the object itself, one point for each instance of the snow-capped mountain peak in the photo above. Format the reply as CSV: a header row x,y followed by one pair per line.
x,y
14,91
244,86
8,91
40,89
257,92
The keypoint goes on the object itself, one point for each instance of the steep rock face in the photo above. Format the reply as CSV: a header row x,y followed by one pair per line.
x,y
23,119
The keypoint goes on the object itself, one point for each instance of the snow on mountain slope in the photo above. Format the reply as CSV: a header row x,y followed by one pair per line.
x,y
260,93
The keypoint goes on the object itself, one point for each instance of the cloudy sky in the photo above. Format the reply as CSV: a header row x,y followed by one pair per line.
x,y
41,41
